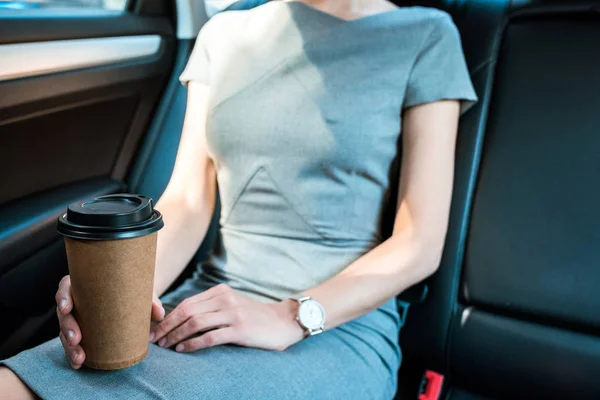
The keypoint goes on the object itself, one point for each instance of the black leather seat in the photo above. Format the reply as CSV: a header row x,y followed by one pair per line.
x,y
514,311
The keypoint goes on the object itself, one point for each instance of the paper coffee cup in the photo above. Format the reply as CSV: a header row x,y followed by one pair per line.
x,y
111,251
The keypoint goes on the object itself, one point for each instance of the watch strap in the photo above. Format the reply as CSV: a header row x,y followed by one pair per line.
x,y
301,299
312,332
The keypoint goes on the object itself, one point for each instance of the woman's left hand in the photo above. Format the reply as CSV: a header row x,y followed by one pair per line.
x,y
223,316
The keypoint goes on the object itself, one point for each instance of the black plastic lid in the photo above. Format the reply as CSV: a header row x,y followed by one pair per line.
x,y
117,216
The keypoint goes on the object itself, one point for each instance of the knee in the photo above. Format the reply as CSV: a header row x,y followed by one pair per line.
x,y
13,387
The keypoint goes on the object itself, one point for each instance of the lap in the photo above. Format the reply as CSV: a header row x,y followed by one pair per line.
x,y
358,360
336,364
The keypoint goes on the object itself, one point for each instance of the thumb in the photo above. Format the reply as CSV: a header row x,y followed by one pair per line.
x,y
158,312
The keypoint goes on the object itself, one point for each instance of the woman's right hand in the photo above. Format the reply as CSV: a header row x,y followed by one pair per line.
x,y
70,334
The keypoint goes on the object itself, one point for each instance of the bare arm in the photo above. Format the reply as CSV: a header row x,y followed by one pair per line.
x,y
414,250
189,200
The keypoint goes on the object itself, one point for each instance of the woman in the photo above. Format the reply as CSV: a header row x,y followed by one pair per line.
x,y
295,108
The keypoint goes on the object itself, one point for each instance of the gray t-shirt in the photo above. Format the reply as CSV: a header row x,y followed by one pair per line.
x,y
304,118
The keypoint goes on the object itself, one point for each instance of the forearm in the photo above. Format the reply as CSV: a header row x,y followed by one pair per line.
x,y
376,277
184,231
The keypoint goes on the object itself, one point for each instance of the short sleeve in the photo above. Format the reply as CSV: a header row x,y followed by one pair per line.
x,y
440,71
197,68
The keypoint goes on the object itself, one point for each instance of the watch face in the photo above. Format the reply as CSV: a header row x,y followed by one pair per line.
x,y
311,314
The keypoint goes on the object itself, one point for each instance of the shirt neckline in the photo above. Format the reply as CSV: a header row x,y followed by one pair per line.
x,y
340,19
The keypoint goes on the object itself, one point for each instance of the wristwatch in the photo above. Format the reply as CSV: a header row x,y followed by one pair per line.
x,y
311,315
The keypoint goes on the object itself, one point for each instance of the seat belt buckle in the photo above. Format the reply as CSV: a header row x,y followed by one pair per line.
x,y
431,386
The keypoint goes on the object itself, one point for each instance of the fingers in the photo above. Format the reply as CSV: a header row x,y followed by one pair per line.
x,y
70,334
210,339
64,301
184,311
172,321
196,324
75,354
190,317
158,311
70,329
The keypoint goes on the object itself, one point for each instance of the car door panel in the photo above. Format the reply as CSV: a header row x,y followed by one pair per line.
x,y
23,60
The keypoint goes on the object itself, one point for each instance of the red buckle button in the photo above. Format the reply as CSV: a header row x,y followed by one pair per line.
x,y
431,386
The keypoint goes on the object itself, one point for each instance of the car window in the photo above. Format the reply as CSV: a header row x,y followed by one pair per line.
x,y
116,5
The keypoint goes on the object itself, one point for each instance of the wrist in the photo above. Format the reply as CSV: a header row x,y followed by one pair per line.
x,y
287,311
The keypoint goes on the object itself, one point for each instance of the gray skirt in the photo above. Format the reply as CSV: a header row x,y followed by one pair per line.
x,y
358,360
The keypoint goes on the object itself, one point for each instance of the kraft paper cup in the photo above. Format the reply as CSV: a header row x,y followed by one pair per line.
x,y
111,251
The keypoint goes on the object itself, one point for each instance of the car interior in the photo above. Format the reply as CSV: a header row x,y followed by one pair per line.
x,y
512,311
